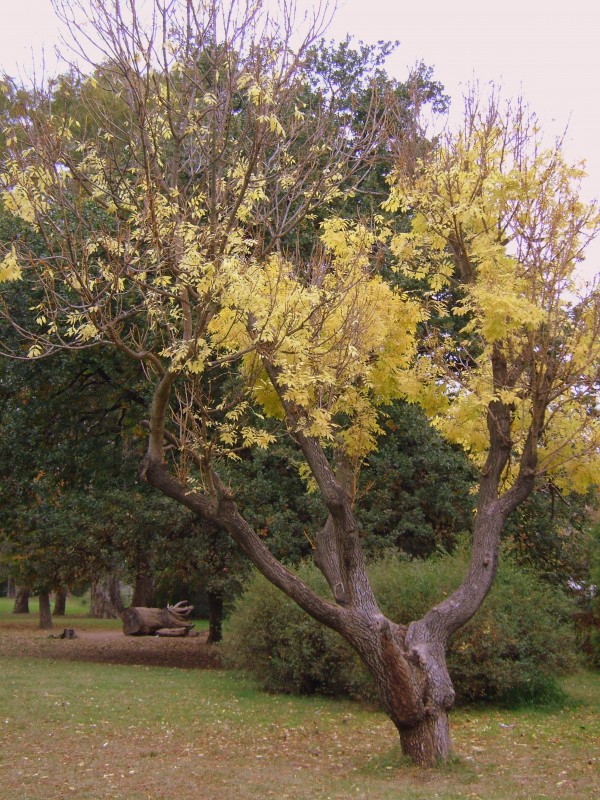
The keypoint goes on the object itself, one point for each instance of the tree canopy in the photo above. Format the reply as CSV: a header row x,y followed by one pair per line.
x,y
498,230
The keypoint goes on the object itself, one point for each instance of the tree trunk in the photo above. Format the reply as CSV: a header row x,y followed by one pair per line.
x,y
409,669
105,602
11,589
428,742
215,618
144,589
408,664
60,601
21,605
45,615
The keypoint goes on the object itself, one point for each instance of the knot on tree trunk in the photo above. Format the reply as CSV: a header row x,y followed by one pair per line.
x,y
437,690
399,681
417,693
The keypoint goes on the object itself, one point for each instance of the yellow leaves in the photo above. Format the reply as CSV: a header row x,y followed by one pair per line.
x,y
585,472
498,303
340,342
320,424
235,434
497,230
35,350
17,202
244,80
256,95
86,332
349,244
273,124
9,267
30,188
464,422
570,450
263,391
250,188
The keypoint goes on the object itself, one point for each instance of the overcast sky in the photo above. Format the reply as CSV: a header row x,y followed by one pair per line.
x,y
547,51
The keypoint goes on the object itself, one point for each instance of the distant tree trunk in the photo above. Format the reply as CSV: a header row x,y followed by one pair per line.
x,y
144,590
45,615
60,601
105,602
11,589
21,605
215,617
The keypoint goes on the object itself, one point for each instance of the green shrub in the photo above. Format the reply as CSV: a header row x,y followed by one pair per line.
x,y
511,650
594,590
285,650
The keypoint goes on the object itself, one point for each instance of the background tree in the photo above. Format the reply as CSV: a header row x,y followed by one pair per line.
x,y
415,490
551,534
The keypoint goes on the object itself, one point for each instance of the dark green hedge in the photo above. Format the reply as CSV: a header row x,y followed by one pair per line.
x,y
511,651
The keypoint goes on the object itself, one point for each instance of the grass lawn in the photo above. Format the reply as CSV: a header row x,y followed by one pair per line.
x,y
106,732
78,609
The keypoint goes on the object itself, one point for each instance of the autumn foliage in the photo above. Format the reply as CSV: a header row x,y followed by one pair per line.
x,y
187,190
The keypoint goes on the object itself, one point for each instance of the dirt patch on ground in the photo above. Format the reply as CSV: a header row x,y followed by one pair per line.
x,y
112,647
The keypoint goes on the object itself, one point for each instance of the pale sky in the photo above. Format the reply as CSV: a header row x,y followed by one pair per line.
x,y
547,51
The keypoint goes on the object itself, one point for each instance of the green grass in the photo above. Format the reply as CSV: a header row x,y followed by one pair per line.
x,y
102,732
78,609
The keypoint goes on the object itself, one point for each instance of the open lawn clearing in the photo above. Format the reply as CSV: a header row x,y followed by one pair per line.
x,y
100,641
76,617
104,732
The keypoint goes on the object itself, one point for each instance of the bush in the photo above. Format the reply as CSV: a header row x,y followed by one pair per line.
x,y
285,650
511,650
594,594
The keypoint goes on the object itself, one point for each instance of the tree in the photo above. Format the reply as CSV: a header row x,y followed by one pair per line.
x,y
170,236
498,230
550,533
64,412
415,490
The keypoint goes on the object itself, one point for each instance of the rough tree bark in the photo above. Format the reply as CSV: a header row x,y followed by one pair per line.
x,y
21,605
144,590
105,597
45,614
215,617
60,601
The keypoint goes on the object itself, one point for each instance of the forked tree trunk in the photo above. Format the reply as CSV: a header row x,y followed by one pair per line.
x,y
215,618
45,614
105,597
21,605
60,601
409,670
407,663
